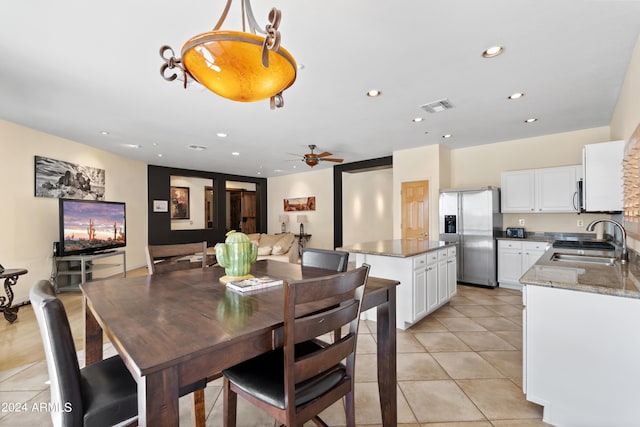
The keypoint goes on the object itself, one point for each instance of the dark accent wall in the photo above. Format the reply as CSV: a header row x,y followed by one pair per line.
x,y
362,166
158,188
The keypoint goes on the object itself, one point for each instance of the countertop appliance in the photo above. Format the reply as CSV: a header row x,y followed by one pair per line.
x,y
515,232
472,220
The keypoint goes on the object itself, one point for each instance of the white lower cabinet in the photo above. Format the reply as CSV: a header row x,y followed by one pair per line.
x,y
432,280
452,272
427,281
580,356
419,287
515,258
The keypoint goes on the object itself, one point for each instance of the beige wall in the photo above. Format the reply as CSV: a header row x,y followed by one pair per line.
x,y
481,166
626,116
318,183
417,164
366,211
30,224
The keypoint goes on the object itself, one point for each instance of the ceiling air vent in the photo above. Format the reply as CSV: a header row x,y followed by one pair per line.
x,y
437,106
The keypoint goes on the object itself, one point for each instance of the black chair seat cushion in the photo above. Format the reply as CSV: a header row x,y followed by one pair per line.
x,y
109,393
263,377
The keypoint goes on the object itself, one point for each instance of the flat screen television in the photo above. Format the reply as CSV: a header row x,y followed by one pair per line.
x,y
90,226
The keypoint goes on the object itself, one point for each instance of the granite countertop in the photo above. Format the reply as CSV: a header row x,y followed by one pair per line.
x,y
397,247
621,280
548,236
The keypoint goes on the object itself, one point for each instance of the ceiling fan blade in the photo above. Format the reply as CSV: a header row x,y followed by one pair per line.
x,y
325,154
332,160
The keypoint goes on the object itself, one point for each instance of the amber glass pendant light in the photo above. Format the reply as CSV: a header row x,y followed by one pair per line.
x,y
237,65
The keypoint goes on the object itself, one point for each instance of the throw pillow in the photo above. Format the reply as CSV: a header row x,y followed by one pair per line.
x,y
264,250
269,239
283,245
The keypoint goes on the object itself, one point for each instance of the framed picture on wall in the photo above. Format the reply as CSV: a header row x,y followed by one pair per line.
x,y
60,179
300,204
179,202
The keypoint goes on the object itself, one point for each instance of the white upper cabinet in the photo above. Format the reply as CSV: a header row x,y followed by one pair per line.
x,y
603,184
540,190
556,189
517,191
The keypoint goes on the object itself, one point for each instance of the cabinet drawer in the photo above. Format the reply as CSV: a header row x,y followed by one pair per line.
x,y
442,254
419,261
539,246
451,252
432,257
509,244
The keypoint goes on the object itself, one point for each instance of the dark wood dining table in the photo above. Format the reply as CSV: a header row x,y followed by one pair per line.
x,y
176,328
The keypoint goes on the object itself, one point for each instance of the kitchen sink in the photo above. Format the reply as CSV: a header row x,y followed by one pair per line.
x,y
583,244
589,259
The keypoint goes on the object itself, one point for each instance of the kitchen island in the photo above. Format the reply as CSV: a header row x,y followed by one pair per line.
x,y
426,269
581,343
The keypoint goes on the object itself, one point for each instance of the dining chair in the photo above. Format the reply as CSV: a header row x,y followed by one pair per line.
x,y
324,258
101,394
296,382
329,260
165,258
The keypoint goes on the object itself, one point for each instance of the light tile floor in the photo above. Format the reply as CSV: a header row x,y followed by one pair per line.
x,y
459,367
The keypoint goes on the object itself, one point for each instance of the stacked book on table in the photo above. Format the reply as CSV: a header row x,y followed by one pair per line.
x,y
254,283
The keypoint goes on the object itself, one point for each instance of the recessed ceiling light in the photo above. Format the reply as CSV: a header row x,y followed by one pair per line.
x,y
531,120
417,119
300,66
447,135
160,155
104,132
196,147
516,95
373,93
221,135
277,170
493,51
132,145
155,144
235,153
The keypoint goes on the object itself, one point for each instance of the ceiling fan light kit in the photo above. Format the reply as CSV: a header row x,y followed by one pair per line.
x,y
312,159
237,65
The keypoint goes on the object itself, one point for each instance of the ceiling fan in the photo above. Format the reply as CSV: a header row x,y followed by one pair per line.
x,y
313,159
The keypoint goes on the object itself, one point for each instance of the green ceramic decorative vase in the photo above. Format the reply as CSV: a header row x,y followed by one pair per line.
x,y
236,255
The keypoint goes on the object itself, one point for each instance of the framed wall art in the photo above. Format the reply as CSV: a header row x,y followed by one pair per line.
x,y
60,179
160,206
300,204
179,202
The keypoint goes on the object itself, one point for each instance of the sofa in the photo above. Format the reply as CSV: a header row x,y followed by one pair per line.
x,y
278,247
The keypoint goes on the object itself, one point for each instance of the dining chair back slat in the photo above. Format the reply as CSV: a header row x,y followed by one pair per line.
x,y
166,258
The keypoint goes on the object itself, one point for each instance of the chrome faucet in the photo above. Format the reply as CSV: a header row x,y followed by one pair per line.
x,y
624,256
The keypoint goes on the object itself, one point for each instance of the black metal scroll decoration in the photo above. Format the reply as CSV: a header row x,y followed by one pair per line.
x,y
10,313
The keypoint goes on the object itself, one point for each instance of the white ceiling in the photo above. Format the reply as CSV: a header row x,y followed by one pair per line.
x,y
74,68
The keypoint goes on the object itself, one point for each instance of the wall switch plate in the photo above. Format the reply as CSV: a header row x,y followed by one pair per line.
x,y
521,221
580,223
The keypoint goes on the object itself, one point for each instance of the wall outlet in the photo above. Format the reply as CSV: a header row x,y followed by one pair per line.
x,y
521,221
580,223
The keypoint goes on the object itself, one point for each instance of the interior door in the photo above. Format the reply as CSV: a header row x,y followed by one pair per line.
x,y
415,209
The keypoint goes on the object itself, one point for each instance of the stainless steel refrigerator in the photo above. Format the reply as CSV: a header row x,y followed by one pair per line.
x,y
472,219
